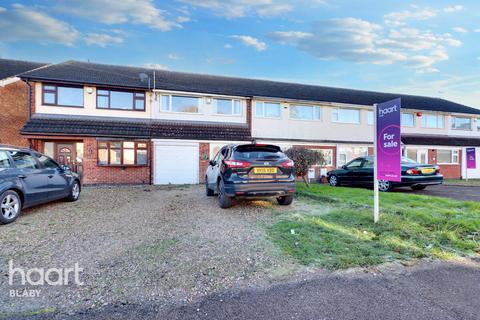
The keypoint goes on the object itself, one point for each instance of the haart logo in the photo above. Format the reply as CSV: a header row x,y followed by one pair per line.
x,y
383,112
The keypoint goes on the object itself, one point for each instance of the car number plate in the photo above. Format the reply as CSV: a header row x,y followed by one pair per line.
x,y
264,170
428,170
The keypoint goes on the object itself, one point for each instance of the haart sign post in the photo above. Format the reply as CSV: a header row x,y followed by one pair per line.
x,y
387,147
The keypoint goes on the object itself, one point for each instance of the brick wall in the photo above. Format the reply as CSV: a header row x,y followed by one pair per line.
x,y
204,158
94,174
14,112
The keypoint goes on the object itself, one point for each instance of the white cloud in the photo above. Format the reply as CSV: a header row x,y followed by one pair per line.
x,y
356,40
119,12
477,30
228,46
175,56
252,42
400,18
29,23
460,30
101,39
241,8
454,8
156,66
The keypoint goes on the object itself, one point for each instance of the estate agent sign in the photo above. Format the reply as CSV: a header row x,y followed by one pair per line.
x,y
471,158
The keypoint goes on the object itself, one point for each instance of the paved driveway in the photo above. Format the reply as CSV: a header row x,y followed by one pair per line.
x,y
470,193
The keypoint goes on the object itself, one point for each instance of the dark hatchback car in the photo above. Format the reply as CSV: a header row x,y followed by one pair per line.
x,y
251,171
359,171
29,178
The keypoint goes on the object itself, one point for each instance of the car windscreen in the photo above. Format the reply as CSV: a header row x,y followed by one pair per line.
x,y
258,153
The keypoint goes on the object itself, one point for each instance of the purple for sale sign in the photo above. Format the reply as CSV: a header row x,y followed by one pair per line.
x,y
471,158
388,141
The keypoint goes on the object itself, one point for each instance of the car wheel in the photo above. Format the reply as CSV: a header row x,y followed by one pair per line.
x,y
418,187
384,186
285,200
11,206
333,180
209,191
74,192
224,201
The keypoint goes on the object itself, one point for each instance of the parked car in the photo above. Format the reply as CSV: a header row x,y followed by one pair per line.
x,y
250,171
359,171
29,178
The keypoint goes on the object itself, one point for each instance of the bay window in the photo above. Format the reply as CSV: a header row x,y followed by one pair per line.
x,y
408,119
120,100
346,115
186,104
122,153
431,120
461,123
302,112
64,96
228,106
447,156
267,110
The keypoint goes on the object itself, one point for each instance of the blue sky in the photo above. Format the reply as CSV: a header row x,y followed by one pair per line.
x,y
415,47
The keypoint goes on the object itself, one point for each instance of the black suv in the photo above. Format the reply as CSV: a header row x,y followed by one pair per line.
x,y
250,171
29,178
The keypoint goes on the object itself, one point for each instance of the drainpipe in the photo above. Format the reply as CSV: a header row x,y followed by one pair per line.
x,y
29,106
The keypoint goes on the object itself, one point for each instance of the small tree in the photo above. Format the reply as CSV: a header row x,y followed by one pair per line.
x,y
304,159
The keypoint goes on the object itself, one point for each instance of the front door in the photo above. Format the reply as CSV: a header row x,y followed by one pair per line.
x,y
422,156
66,154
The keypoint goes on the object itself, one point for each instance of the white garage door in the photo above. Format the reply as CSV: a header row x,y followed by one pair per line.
x,y
176,163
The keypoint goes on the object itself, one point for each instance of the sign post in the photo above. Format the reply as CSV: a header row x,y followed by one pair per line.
x,y
387,145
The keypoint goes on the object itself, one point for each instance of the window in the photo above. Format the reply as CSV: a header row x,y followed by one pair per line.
x,y
122,153
412,154
4,161
120,100
345,154
432,121
370,119
368,164
327,156
354,164
478,124
447,156
408,119
305,112
23,160
461,123
345,115
228,106
180,104
267,110
47,162
66,96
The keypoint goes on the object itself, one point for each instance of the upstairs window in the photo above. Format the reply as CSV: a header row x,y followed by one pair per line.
x,y
346,115
408,119
186,104
228,106
461,123
65,96
120,100
122,153
301,112
435,121
267,110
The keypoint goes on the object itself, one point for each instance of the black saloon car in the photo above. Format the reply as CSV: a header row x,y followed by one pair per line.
x,y
250,171
359,171
29,178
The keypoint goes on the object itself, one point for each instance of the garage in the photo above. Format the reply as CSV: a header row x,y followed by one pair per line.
x,y
176,163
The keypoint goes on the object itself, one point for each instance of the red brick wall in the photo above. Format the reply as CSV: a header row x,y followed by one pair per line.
x,y
204,158
14,113
94,174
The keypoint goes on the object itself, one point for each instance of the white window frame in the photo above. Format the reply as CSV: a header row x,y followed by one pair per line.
x,y
437,115
453,122
454,155
233,114
263,110
414,119
337,109
169,109
308,106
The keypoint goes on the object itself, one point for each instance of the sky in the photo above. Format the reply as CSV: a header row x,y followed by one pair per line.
x,y
413,47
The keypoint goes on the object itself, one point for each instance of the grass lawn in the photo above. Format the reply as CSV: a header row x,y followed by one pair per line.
x,y
339,231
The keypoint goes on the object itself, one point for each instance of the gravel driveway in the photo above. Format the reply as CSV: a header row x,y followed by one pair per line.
x,y
140,244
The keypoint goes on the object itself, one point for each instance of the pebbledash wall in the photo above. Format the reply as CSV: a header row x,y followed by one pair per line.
x,y
14,100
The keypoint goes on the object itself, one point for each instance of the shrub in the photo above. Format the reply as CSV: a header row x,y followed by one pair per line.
x,y
304,158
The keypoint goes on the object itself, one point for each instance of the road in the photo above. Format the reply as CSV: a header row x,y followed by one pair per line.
x,y
469,193
432,291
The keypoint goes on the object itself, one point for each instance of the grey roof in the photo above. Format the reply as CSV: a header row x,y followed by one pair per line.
x,y
10,68
56,125
124,76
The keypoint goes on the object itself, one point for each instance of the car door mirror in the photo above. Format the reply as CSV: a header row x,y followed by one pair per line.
x,y
212,162
344,167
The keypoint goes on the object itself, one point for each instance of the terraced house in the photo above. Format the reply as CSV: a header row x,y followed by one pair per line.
x,y
121,125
